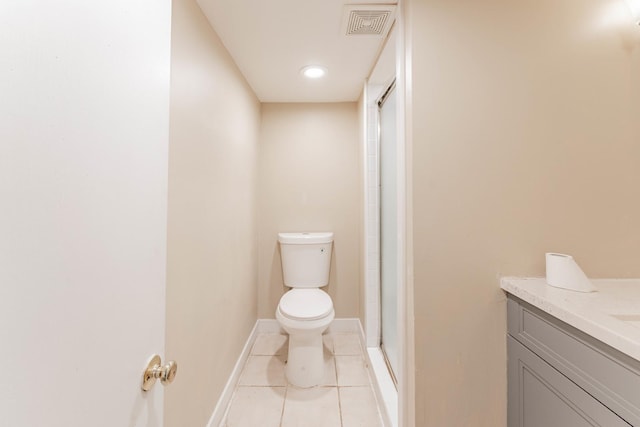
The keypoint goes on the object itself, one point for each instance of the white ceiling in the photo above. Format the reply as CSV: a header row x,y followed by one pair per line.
x,y
272,40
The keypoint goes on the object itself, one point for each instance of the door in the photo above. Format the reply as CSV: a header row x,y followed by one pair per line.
x,y
389,229
83,195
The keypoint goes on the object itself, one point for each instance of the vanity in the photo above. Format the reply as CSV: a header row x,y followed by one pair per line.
x,y
573,358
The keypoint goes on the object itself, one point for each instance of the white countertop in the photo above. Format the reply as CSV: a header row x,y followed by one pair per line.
x,y
611,315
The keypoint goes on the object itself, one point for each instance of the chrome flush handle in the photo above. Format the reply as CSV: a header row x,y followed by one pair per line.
x,y
155,370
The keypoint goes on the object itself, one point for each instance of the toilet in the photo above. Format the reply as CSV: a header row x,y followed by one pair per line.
x,y
305,311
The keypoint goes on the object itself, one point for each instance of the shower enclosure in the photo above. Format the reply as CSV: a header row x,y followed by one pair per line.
x,y
385,236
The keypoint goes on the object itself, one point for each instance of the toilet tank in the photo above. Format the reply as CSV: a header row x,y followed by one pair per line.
x,y
306,259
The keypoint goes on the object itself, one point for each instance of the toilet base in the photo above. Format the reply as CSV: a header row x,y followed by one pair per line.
x,y
305,363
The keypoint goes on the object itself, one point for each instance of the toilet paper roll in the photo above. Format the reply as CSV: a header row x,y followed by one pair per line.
x,y
563,272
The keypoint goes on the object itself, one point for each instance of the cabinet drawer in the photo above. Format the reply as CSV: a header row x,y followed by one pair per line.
x,y
540,396
610,376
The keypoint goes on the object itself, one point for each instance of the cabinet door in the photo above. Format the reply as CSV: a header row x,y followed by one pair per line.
x,y
540,396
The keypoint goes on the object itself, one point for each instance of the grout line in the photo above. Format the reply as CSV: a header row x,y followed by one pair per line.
x,y
261,386
284,403
335,361
340,406
335,364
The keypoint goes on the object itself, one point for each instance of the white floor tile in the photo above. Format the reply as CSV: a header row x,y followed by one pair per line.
x,y
358,407
327,341
346,344
352,371
343,399
263,371
313,407
256,406
270,344
330,378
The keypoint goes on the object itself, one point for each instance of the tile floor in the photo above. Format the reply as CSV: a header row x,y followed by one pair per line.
x,y
345,398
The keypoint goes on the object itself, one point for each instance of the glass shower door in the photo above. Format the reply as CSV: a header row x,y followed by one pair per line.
x,y
389,229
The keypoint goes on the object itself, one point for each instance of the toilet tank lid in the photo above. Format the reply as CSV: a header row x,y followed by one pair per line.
x,y
305,238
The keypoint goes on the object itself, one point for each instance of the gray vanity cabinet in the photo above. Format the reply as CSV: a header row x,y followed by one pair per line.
x,y
560,377
540,396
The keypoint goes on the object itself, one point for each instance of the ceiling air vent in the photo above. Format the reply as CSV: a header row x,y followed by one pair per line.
x,y
368,20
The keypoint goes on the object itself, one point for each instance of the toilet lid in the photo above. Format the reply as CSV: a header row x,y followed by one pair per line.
x,y
305,304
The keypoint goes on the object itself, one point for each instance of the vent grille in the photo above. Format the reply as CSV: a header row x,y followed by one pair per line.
x,y
368,22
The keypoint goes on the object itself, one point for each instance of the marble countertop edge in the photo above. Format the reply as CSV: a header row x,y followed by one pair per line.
x,y
592,313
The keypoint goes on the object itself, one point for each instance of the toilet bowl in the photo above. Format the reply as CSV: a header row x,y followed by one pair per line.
x,y
305,311
305,314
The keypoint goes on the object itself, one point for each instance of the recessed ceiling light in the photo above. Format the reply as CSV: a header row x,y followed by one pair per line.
x,y
634,5
314,71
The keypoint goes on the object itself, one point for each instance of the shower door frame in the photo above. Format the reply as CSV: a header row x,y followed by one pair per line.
x,y
402,411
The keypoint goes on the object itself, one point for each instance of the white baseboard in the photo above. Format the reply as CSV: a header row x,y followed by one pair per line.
x,y
338,326
220,410
345,325
271,326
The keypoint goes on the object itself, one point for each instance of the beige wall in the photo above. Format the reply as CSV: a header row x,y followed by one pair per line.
x,y
526,139
310,180
212,243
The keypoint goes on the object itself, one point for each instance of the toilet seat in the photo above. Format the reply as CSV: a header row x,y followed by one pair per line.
x,y
305,304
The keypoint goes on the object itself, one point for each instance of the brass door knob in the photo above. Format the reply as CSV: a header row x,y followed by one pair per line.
x,y
155,370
